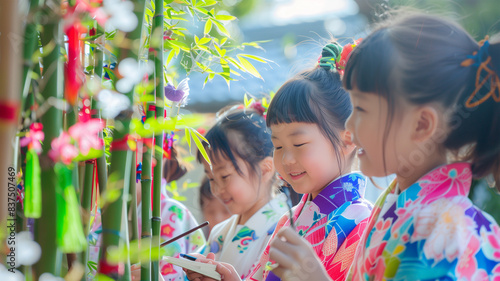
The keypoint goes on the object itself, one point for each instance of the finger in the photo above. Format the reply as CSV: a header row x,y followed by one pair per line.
x,y
193,275
135,266
290,236
286,248
285,261
279,271
211,256
196,255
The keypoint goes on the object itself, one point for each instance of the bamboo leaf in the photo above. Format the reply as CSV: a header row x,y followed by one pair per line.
x,y
170,57
220,51
254,57
235,63
246,101
221,28
203,41
208,26
188,137
208,3
199,135
200,146
225,17
248,67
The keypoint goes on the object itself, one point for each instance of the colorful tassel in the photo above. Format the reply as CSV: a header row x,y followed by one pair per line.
x,y
33,188
70,236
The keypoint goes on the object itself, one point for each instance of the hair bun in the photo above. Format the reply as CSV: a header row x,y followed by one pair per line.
x,y
330,56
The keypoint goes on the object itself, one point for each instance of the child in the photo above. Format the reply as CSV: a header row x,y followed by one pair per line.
x,y
313,153
242,176
214,211
416,85
175,219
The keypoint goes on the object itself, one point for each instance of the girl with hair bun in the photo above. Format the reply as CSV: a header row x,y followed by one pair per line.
x,y
313,153
426,100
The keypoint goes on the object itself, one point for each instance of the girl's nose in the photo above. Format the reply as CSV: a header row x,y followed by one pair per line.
x,y
288,158
215,188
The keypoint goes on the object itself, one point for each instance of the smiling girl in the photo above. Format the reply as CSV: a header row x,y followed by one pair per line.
x,y
426,100
242,176
313,152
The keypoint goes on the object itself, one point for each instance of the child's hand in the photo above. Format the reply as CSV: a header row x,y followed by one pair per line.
x,y
135,271
227,271
296,258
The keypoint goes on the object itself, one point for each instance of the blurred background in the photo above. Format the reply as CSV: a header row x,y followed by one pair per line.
x,y
292,34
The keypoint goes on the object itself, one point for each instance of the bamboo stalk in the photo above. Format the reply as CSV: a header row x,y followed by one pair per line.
x,y
134,231
157,32
146,205
10,60
30,44
120,163
51,86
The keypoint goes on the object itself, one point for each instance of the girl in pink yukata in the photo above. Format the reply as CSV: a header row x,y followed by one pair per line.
x,y
314,153
426,100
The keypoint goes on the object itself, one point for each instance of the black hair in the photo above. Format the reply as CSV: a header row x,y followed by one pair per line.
x,y
239,133
205,192
314,96
173,169
417,57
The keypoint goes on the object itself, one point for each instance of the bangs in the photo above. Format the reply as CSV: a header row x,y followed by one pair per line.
x,y
291,103
370,65
219,147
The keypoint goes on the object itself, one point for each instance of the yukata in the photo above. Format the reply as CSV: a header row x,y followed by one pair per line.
x,y
242,245
175,219
332,223
430,231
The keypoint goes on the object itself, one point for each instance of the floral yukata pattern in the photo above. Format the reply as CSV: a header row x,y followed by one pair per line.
x,y
431,231
242,245
332,223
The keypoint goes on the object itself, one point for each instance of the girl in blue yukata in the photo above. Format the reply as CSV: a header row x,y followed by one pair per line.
x,y
426,102
242,176
314,153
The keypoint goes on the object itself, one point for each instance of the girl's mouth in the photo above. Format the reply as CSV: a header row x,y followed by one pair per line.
x,y
227,201
296,176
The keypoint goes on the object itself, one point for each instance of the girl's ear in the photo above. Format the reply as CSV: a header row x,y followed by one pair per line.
x,y
426,123
346,137
267,168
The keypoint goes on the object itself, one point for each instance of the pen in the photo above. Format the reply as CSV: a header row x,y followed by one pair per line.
x,y
187,257
183,234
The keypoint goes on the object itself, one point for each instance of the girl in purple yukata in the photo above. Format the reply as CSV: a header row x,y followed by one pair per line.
x,y
426,100
314,153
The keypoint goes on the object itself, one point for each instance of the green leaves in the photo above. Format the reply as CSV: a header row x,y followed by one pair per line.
x,y
248,67
208,26
196,136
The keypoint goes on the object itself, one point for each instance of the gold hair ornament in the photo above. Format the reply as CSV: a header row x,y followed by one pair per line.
x,y
482,60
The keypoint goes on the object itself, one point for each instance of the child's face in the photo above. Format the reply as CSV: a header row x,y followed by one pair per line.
x,y
239,193
367,124
214,211
304,157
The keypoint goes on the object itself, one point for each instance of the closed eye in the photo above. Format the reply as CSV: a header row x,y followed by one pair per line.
x,y
225,177
277,148
359,109
299,145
